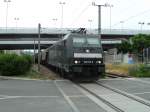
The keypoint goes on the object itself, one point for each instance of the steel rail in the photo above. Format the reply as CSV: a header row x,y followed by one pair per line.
x,y
101,99
124,94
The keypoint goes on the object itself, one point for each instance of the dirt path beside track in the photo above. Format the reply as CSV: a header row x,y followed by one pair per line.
x,y
47,73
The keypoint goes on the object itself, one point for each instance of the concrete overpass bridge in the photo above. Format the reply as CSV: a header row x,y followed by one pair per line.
x,y
24,38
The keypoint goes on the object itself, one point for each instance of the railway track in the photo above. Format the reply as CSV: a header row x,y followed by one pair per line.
x,y
113,75
101,99
122,93
100,90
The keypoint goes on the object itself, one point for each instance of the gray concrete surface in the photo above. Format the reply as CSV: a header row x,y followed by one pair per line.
x,y
44,96
139,87
31,96
64,96
146,79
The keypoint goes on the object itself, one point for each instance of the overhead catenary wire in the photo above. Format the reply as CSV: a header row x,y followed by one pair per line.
x,y
79,6
80,14
132,17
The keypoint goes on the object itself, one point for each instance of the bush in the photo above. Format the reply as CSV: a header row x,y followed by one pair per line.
x,y
141,70
13,65
29,59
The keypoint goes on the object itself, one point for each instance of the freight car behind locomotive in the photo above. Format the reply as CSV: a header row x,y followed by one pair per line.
x,y
77,56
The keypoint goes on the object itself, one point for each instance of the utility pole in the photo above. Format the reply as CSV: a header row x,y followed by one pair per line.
x,y
7,1
99,16
16,20
39,49
99,20
34,51
55,20
122,26
141,23
110,6
62,13
62,16
143,51
90,21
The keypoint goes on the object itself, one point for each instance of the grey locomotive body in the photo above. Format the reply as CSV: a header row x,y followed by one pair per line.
x,y
77,56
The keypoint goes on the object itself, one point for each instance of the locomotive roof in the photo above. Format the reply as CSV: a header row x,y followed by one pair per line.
x,y
79,35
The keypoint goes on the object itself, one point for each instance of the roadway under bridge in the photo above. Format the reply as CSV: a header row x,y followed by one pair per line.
x,y
24,38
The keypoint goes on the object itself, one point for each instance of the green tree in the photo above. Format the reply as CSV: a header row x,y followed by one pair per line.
x,y
136,44
139,42
124,47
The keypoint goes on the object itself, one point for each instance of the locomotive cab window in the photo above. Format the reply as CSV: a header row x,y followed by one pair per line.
x,y
78,42
93,42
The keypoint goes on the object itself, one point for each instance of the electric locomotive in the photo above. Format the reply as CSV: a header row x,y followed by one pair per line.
x,y
77,56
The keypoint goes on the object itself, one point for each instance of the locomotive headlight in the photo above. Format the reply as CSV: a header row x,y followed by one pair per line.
x,y
76,62
99,62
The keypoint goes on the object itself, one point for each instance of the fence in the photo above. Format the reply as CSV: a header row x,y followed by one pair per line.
x,y
111,56
146,55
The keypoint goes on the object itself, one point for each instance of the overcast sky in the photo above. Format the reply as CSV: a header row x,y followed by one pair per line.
x,y
76,13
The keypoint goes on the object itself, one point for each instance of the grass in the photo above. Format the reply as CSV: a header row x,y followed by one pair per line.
x,y
44,74
135,70
118,68
32,74
141,70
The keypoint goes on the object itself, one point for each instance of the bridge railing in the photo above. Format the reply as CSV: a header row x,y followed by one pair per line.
x,y
67,30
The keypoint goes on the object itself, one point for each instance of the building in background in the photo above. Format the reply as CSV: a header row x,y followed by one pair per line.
x,y
18,52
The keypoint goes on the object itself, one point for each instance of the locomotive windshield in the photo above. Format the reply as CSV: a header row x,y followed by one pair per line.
x,y
93,42
84,42
78,42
